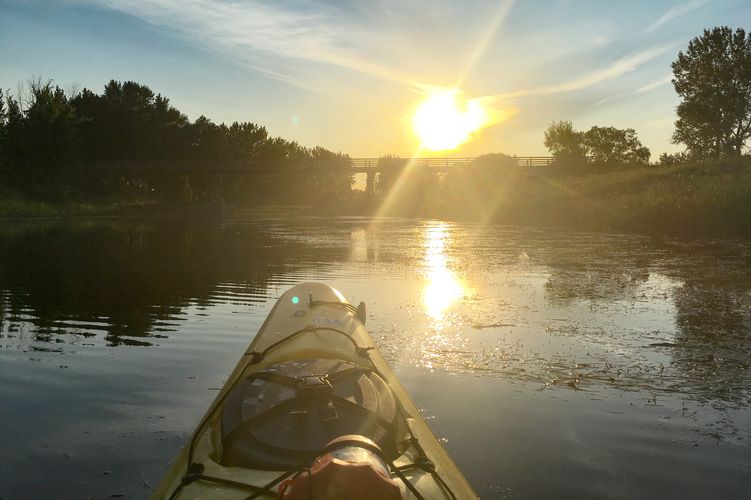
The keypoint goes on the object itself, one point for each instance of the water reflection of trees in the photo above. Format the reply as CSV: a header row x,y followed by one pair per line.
x,y
711,343
130,281
597,269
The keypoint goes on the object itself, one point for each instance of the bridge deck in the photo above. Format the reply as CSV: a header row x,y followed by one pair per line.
x,y
356,165
371,164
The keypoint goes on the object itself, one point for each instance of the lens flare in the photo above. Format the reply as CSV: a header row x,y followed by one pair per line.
x,y
444,121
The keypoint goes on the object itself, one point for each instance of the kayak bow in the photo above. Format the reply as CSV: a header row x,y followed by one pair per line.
x,y
311,383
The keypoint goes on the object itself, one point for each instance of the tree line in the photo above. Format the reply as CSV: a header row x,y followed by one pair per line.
x,y
53,144
713,79
60,145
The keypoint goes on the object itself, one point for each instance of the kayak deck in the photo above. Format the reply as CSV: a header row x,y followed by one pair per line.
x,y
311,321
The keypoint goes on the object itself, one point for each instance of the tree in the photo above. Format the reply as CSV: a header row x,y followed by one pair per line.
x,y
391,167
130,122
3,119
494,161
245,140
12,147
331,172
208,141
612,146
668,160
49,134
713,78
564,143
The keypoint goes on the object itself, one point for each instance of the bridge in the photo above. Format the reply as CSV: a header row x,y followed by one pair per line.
x,y
369,165
357,165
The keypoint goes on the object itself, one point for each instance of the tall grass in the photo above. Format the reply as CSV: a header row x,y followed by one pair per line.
x,y
703,198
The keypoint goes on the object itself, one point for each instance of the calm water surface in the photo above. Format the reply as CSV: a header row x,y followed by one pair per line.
x,y
549,363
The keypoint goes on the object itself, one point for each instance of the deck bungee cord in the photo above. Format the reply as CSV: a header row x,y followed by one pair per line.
x,y
313,395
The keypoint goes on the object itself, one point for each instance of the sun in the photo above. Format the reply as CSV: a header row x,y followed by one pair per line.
x,y
444,121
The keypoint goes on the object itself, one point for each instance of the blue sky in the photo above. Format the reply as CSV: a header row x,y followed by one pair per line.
x,y
347,75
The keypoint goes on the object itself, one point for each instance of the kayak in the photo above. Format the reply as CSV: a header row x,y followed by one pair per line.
x,y
311,392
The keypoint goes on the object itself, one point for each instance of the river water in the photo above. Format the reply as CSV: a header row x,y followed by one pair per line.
x,y
550,363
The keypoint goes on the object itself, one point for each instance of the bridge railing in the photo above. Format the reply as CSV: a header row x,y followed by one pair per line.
x,y
240,167
443,163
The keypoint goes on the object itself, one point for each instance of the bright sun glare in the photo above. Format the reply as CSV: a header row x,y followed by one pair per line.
x,y
443,288
444,121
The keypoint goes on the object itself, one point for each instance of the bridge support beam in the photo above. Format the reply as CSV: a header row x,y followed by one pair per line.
x,y
370,184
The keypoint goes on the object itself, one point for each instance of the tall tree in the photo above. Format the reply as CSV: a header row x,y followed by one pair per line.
x,y
245,140
564,143
50,136
713,78
13,134
3,119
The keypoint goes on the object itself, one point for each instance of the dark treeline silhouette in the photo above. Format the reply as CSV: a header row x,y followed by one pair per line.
x,y
57,146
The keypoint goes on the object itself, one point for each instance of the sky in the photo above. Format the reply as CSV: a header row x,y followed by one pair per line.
x,y
349,75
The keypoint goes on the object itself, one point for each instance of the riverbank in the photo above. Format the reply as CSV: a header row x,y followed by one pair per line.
x,y
17,206
700,199
707,199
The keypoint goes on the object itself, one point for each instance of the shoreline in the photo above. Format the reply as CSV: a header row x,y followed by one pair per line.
x,y
298,210
700,200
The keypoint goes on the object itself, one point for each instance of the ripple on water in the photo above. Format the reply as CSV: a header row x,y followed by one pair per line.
x,y
606,349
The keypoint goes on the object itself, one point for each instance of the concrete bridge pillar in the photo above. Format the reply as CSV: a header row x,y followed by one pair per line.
x,y
370,184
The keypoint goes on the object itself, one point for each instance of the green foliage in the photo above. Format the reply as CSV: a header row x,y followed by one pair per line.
x,y
565,144
605,146
55,147
705,198
612,146
667,160
713,79
208,141
244,140
391,167
3,120
129,122
495,160
486,170
50,130
40,142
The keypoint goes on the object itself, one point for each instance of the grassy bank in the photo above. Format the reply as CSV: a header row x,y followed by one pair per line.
x,y
15,205
704,199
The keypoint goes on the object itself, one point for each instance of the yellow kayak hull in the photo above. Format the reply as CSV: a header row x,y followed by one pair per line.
x,y
301,326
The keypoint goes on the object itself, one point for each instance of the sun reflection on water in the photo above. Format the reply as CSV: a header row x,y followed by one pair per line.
x,y
443,287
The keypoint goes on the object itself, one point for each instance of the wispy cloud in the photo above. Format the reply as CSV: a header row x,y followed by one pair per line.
x,y
676,11
615,70
640,90
654,85
254,32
